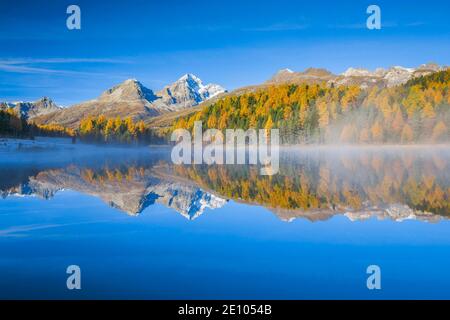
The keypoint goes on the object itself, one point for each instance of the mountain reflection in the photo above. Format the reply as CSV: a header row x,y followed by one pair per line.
x,y
313,183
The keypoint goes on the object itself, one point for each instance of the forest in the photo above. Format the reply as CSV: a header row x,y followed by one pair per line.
x,y
416,112
92,129
116,130
14,126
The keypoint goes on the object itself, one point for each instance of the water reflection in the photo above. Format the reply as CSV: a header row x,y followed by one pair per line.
x,y
313,183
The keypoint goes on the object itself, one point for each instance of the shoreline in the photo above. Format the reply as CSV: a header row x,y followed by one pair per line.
x,y
9,143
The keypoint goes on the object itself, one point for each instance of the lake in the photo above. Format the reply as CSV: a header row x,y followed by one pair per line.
x,y
139,226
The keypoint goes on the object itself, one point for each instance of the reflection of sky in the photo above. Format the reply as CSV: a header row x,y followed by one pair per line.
x,y
239,251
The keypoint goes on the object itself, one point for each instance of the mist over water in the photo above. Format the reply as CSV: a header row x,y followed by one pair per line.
x,y
308,231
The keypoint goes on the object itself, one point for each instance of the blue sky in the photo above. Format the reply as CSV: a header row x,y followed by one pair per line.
x,y
233,43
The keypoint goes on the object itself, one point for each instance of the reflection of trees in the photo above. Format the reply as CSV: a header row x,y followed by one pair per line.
x,y
310,181
348,181
119,175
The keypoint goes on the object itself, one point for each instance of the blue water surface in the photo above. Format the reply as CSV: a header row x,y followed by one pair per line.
x,y
237,251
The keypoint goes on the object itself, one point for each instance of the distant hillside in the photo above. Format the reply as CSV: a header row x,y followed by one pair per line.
x,y
132,99
394,105
30,110
355,76
415,111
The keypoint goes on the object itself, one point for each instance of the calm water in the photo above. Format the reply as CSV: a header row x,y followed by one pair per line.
x,y
140,227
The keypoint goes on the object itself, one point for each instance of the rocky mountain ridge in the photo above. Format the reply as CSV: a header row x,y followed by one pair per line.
x,y
364,78
30,110
132,99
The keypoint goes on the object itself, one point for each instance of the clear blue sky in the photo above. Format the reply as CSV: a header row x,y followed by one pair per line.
x,y
233,43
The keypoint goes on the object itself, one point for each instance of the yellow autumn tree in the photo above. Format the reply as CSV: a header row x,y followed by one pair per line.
x,y
377,132
118,125
350,97
269,125
130,127
212,121
287,113
428,111
364,136
140,127
407,134
324,116
86,126
439,131
223,121
397,124
348,133
109,128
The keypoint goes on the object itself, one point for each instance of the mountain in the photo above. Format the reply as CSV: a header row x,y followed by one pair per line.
x,y
129,90
128,99
383,78
30,110
132,99
356,76
393,76
413,112
187,92
310,75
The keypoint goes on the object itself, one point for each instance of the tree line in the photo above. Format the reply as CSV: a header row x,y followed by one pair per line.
x,y
417,111
91,129
14,126
116,130
321,185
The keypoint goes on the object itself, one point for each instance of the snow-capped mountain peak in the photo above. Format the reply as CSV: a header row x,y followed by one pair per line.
x,y
189,77
286,70
188,91
132,99
189,82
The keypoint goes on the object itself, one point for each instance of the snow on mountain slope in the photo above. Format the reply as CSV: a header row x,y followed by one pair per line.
x,y
188,91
